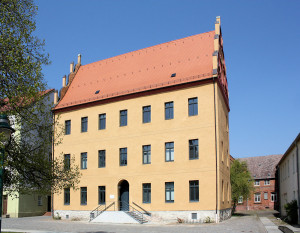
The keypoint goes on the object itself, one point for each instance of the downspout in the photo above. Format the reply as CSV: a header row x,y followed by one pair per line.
x,y
298,201
52,194
216,146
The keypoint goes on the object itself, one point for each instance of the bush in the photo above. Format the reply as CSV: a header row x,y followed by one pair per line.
x,y
292,211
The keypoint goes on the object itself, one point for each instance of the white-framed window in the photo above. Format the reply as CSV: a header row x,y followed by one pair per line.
x,y
257,197
40,201
266,196
273,197
256,183
240,200
267,182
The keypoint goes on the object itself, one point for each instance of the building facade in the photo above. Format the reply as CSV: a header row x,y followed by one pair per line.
x,y
149,127
265,194
16,205
288,168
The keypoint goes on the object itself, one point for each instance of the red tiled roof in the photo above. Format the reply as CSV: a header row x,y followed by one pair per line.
x,y
146,69
7,106
262,167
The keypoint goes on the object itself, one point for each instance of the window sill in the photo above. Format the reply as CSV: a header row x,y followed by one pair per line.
x,y
169,201
194,201
193,158
67,204
168,161
83,204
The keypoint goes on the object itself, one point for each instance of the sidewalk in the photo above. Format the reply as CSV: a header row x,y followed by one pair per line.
x,y
269,225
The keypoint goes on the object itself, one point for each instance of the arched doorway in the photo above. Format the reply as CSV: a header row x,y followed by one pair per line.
x,y
123,195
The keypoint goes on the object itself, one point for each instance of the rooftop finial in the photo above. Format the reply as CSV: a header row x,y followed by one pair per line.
x,y
79,59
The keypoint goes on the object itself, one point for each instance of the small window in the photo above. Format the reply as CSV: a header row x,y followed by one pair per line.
x,y
193,106
67,196
240,200
102,121
266,196
67,162
194,216
147,154
40,200
267,182
169,111
101,195
173,75
257,198
256,183
169,151
84,124
147,193
146,114
84,160
273,197
97,92
101,161
123,117
83,195
193,149
194,190
123,156
169,188
67,127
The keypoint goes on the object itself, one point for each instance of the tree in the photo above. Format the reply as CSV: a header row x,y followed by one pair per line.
x,y
28,165
241,182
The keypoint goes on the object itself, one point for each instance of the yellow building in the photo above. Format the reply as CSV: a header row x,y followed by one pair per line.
x,y
149,130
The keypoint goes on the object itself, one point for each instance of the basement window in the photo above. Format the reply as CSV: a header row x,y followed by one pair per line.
x,y
97,92
194,215
173,75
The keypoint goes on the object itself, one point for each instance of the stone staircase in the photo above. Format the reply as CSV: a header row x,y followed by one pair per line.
x,y
129,214
137,216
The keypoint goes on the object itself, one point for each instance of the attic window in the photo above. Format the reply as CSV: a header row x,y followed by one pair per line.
x,y
173,75
97,92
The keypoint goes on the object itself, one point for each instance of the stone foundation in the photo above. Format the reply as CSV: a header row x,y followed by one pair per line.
x,y
224,214
197,216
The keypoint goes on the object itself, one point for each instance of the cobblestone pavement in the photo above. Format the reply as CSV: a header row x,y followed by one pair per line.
x,y
248,223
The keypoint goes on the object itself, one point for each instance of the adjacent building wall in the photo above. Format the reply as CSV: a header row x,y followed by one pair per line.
x,y
288,175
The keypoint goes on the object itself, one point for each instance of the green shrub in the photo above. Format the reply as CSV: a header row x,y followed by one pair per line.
x,y
291,210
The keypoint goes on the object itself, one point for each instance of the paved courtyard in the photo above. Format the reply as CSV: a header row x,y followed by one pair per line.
x,y
246,223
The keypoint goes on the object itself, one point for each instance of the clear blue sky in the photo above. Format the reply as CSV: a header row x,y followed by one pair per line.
x,y
261,45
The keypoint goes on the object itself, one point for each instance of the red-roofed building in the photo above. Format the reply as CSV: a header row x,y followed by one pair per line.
x,y
265,194
149,130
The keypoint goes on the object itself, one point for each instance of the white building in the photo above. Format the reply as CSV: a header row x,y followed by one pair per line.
x,y
289,170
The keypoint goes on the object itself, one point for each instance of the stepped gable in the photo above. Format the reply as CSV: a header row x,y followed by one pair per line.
x,y
262,167
188,59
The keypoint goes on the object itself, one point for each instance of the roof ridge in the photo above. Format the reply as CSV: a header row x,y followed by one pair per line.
x,y
139,50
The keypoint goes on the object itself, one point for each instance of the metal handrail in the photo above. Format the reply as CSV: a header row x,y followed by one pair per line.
x,y
126,204
99,211
145,211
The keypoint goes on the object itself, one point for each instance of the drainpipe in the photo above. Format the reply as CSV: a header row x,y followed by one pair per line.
x,y
216,146
298,201
52,194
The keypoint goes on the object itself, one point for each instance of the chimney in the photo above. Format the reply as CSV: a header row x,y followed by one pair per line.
x,y
79,59
64,81
55,101
72,67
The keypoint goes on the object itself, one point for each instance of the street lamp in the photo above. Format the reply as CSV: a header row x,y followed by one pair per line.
x,y
5,137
